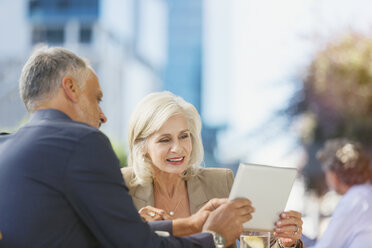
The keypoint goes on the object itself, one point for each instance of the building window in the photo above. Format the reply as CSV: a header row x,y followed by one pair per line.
x,y
56,9
85,35
63,4
50,35
34,5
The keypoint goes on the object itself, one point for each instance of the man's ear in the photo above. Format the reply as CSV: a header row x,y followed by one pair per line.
x,y
70,88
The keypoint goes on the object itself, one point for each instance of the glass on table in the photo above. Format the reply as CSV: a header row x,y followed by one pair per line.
x,y
253,239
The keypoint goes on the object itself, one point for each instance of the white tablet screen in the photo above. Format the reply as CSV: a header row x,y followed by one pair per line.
x,y
268,189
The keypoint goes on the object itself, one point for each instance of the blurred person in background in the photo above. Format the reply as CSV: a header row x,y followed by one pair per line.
x,y
348,172
164,175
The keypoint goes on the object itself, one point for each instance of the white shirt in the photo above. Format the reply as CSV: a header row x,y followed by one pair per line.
x,y
351,222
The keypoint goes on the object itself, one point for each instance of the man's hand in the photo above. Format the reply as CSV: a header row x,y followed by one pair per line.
x,y
213,204
194,223
228,219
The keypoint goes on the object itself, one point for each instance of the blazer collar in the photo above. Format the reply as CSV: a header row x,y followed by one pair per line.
x,y
197,195
49,114
143,195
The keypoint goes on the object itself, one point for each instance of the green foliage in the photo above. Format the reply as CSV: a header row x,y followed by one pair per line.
x,y
335,99
120,153
337,90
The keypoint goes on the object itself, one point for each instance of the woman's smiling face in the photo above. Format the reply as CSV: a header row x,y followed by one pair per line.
x,y
169,148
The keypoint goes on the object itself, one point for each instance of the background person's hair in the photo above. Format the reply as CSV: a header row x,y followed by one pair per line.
x,y
42,74
347,159
147,118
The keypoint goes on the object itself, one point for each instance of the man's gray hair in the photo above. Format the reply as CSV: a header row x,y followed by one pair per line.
x,y
42,74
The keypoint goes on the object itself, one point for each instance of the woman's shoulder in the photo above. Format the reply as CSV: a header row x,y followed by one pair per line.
x,y
221,179
213,173
128,174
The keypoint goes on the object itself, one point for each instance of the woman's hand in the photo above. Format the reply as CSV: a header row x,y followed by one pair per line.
x,y
149,213
289,228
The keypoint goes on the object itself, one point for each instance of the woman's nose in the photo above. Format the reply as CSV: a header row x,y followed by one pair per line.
x,y
176,147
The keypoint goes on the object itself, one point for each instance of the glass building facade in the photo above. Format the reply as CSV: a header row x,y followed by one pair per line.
x,y
50,18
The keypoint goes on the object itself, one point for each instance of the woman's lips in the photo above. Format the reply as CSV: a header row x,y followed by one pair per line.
x,y
176,160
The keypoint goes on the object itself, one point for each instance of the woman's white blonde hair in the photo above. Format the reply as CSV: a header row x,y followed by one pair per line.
x,y
147,118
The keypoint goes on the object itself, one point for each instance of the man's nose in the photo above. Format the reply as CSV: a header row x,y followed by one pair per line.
x,y
102,118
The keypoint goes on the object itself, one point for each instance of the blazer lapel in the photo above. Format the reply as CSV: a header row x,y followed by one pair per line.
x,y
143,196
197,196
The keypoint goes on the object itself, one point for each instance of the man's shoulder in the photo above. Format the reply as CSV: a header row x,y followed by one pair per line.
x,y
66,128
62,136
53,121
80,130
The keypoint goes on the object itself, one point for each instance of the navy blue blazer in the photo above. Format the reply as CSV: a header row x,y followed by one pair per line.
x,y
61,186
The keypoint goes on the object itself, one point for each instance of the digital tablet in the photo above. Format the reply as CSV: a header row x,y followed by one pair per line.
x,y
268,188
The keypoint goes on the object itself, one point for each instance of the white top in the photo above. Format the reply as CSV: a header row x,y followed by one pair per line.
x,y
351,222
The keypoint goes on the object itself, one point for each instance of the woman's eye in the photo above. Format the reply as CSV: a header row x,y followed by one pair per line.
x,y
164,140
185,136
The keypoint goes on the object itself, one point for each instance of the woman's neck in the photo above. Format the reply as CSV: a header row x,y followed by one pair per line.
x,y
170,194
167,184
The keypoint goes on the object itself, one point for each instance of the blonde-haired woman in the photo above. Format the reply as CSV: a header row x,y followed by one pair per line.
x,y
164,175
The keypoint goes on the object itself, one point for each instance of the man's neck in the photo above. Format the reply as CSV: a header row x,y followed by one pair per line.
x,y
58,103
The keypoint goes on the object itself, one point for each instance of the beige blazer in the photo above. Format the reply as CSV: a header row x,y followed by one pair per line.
x,y
207,184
